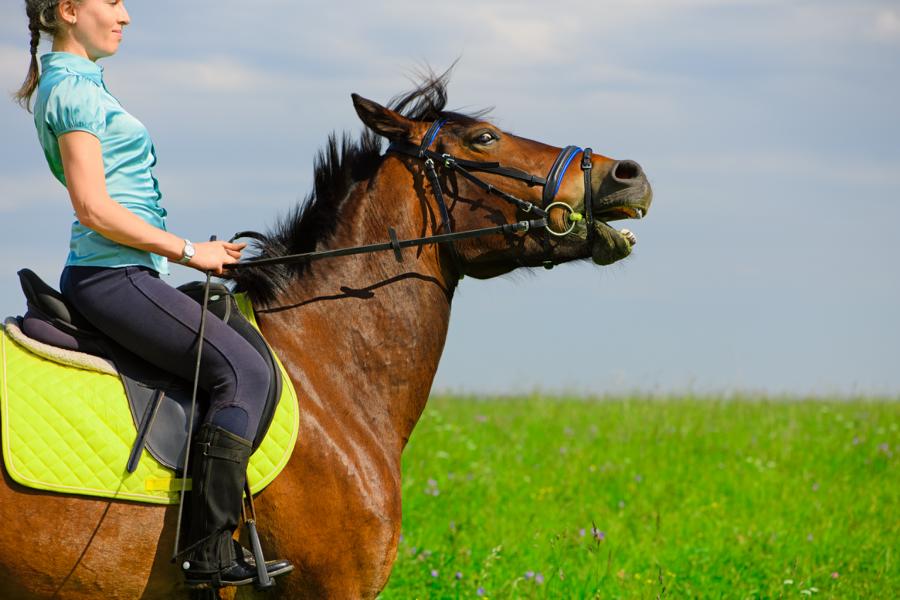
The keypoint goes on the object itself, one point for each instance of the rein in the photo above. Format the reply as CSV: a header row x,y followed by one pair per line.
x,y
551,184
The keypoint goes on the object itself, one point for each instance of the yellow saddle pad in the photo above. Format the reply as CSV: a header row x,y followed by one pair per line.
x,y
68,429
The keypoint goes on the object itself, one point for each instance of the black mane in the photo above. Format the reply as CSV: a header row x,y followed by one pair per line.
x,y
337,168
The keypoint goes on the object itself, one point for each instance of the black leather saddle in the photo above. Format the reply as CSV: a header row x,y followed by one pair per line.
x,y
160,402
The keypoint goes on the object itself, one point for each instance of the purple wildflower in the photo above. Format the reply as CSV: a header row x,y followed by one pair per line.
x,y
597,534
638,478
458,575
581,532
434,572
529,574
539,579
480,591
401,537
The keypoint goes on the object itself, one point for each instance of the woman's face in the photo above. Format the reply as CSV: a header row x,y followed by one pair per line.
x,y
98,24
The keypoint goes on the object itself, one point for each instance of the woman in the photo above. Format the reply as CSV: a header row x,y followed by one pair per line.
x,y
119,247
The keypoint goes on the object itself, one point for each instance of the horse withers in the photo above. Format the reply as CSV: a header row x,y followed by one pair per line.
x,y
360,336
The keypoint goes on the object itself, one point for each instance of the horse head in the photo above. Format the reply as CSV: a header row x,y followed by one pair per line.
x,y
537,174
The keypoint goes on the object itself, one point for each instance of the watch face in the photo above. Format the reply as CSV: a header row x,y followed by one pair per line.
x,y
189,250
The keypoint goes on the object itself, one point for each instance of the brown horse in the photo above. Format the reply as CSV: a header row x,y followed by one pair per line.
x,y
361,337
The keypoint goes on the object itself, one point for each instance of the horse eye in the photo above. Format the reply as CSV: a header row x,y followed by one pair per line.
x,y
485,138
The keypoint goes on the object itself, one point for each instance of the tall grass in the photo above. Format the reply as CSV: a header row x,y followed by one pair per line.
x,y
570,498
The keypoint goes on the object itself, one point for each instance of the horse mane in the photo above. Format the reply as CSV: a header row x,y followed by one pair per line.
x,y
337,168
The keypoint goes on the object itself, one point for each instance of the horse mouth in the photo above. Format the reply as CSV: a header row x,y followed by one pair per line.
x,y
610,244
619,213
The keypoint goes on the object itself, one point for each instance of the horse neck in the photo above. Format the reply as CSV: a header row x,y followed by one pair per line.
x,y
361,336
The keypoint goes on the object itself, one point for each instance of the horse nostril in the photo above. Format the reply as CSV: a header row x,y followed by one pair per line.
x,y
626,170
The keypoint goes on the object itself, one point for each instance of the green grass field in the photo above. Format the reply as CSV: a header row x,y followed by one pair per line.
x,y
683,498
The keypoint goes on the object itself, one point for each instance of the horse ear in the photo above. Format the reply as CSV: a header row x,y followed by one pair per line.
x,y
381,120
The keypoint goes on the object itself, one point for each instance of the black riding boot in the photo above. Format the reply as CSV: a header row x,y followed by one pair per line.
x,y
220,468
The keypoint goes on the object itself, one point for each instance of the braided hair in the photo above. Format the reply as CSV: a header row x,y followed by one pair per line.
x,y
42,16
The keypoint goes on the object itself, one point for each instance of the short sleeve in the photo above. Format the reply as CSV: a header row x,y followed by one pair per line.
x,y
75,104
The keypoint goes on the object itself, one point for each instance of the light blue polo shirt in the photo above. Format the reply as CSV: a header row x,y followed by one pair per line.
x,y
73,97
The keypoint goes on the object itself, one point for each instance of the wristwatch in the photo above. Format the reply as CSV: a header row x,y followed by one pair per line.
x,y
188,252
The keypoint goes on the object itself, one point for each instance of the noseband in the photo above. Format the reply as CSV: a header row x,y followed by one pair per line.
x,y
551,184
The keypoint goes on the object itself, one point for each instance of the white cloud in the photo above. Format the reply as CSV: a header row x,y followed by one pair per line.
x,y
887,24
203,75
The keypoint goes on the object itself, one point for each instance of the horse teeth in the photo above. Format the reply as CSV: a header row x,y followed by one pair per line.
x,y
628,235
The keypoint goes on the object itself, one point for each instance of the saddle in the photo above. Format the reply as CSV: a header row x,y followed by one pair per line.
x,y
159,402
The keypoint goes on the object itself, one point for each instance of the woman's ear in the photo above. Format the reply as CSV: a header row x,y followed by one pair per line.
x,y
65,12
381,120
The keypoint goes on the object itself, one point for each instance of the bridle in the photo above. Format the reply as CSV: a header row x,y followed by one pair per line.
x,y
551,184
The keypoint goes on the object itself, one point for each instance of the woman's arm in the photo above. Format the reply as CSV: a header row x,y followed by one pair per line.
x,y
82,159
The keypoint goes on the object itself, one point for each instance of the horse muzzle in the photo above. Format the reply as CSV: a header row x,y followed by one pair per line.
x,y
623,193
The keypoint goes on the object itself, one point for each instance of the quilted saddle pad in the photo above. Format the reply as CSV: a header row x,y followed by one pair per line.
x,y
67,429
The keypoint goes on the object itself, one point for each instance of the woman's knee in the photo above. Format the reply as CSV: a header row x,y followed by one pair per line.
x,y
242,376
239,408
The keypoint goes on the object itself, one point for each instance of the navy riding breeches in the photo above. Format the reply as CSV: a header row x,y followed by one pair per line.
x,y
142,313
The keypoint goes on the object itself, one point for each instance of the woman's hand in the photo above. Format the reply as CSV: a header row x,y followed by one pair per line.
x,y
211,256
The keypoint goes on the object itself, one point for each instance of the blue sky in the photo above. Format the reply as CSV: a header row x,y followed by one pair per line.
x,y
769,130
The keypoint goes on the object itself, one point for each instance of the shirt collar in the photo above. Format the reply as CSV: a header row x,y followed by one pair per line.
x,y
77,64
